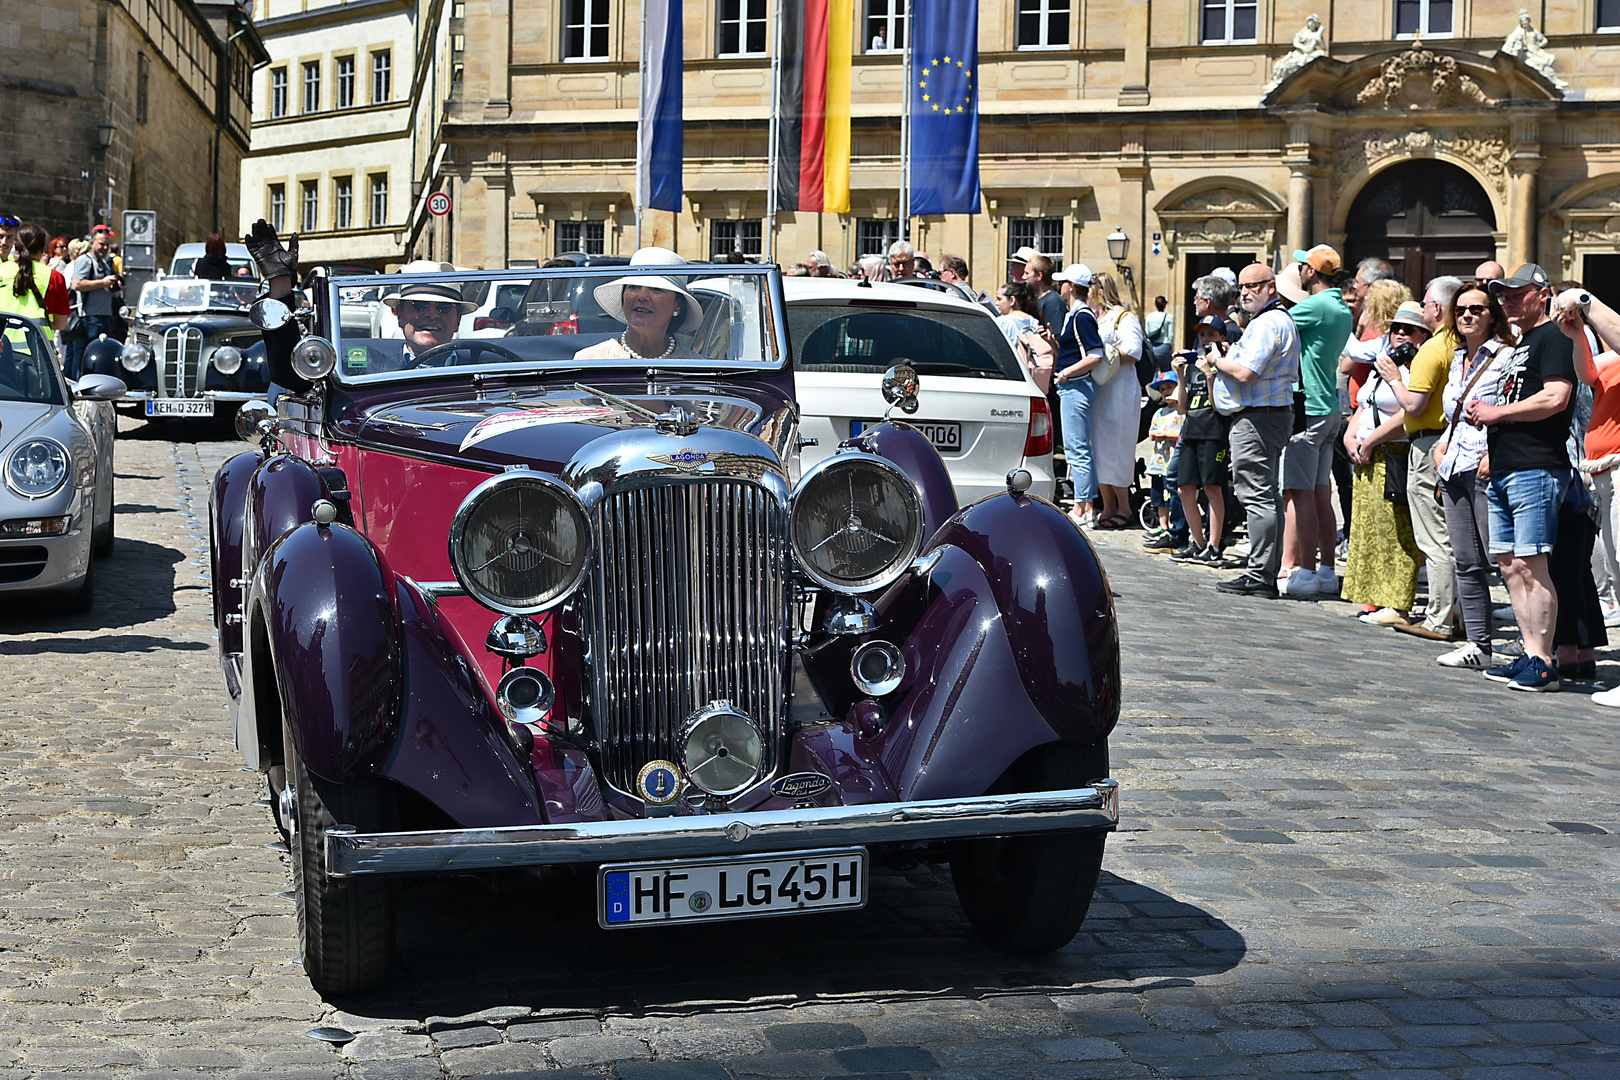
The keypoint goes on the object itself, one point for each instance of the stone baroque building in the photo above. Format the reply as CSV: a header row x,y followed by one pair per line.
x,y
346,121
152,95
1415,137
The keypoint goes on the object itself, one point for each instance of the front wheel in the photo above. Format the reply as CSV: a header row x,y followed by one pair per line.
x,y
345,926
1029,894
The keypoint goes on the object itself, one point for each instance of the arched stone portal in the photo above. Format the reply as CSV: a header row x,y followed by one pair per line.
x,y
1426,217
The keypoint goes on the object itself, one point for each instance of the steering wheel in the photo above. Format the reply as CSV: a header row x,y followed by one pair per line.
x,y
474,347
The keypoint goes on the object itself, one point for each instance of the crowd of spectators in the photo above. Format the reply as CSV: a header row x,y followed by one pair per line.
x,y
72,287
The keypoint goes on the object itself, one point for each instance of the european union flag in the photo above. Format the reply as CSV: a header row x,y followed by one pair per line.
x,y
945,107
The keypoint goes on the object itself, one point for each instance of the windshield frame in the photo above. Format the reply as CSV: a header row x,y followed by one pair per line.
x,y
250,289
774,325
39,347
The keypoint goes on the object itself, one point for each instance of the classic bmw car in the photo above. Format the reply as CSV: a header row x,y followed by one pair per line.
x,y
56,449
488,604
192,350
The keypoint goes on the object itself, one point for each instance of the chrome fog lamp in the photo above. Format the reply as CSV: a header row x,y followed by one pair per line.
x,y
525,695
877,668
37,468
520,543
135,356
721,750
253,420
857,522
516,637
314,358
227,359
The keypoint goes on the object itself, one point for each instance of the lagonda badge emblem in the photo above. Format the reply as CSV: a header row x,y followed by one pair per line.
x,y
658,783
685,459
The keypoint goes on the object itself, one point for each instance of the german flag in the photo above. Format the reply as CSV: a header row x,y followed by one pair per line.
x,y
812,134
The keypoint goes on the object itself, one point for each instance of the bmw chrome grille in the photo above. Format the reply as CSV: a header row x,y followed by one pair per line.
x,y
180,362
689,604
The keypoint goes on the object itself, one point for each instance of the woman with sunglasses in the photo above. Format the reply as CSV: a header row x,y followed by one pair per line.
x,y
1463,462
1381,572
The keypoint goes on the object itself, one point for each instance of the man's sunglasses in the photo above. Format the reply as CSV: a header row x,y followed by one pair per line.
x,y
428,306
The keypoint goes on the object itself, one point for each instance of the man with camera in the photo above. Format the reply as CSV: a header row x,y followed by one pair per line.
x,y
98,288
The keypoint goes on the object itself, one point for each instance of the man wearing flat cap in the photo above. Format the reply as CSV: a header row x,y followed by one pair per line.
x,y
429,312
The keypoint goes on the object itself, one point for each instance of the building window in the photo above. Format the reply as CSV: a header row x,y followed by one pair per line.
x,y
1228,21
278,93
278,207
379,200
585,29
885,25
586,236
727,238
1608,14
312,86
382,76
742,28
1043,24
312,206
143,78
1425,18
345,82
343,203
1045,235
874,235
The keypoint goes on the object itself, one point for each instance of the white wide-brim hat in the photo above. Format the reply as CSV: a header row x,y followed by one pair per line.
x,y
431,291
610,294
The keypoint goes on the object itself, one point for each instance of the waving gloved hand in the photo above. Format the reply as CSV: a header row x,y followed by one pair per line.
x,y
273,259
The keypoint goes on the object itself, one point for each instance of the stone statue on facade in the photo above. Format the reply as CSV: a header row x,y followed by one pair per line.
x,y
1530,45
1309,43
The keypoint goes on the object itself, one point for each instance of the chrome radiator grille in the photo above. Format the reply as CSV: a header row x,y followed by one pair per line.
x,y
688,605
178,362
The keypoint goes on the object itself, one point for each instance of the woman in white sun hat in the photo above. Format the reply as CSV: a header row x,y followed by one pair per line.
x,y
653,308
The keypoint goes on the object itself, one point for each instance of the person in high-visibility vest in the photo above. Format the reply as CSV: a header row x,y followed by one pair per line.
x,y
28,286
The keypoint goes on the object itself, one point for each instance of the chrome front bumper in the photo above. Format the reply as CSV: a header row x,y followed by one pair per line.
x,y
1079,809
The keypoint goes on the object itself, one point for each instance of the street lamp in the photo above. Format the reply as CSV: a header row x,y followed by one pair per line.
x,y
104,135
1119,248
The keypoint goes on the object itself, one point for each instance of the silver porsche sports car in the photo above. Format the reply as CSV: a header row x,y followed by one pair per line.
x,y
56,456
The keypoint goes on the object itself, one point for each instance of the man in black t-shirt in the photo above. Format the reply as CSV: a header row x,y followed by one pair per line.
x,y
1529,468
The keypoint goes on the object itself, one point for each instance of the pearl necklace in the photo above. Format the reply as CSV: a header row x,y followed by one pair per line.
x,y
665,355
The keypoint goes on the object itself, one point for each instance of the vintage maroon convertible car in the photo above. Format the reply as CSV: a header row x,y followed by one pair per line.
x,y
557,597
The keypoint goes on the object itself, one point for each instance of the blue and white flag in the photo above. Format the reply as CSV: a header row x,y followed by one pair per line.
x,y
661,148
944,103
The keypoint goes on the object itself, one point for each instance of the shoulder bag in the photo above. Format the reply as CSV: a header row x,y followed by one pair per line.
x,y
1456,414
1039,357
1395,465
1106,370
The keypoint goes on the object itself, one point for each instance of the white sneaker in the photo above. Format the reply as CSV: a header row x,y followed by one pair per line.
x,y
1385,617
1327,582
1240,551
1608,698
1469,655
1298,583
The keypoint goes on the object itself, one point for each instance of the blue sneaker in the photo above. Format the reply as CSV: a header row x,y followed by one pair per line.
x,y
1510,671
1537,676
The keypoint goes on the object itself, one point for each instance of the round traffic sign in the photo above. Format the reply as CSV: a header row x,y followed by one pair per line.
x,y
438,204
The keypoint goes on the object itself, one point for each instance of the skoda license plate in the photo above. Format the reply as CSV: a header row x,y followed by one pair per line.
x,y
947,438
710,890
180,407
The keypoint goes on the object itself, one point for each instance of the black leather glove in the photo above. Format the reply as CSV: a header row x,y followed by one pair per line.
x,y
273,259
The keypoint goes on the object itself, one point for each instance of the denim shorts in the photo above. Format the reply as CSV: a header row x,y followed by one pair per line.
x,y
1524,510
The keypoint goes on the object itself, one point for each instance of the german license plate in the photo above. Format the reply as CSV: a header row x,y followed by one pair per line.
x,y
180,407
713,890
947,438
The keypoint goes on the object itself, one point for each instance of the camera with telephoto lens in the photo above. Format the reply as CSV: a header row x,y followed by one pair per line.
x,y
1402,354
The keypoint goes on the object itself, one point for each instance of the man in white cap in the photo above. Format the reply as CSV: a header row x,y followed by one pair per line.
x,y
653,308
429,312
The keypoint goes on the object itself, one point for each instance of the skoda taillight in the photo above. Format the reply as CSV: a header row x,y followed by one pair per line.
x,y
1039,439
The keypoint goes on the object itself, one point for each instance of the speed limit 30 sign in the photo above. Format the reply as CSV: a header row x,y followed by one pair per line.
x,y
438,204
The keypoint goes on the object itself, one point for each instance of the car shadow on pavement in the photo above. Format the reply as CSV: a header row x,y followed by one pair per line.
x,y
462,949
180,431
134,585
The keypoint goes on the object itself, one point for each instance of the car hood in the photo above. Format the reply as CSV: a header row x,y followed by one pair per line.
x,y
19,418
545,427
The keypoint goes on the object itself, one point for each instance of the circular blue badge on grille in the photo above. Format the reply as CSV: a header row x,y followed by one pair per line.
x,y
658,783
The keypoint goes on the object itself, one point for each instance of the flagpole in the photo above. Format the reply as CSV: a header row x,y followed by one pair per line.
x,y
641,119
905,128
773,164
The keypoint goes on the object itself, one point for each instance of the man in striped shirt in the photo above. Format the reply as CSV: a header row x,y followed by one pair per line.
x,y
1253,384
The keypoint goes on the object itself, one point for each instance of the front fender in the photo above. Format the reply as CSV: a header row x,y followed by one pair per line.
x,y
227,505
334,640
280,497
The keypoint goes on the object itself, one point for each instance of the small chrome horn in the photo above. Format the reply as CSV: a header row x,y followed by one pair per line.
x,y
525,695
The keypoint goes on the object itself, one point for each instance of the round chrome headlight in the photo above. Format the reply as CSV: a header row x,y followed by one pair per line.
x,y
135,356
227,359
313,358
857,522
520,543
721,749
37,468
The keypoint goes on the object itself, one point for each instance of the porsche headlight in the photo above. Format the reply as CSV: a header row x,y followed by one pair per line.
x,y
520,543
857,522
37,468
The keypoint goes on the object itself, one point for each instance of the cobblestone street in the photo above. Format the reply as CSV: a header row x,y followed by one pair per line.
x,y
1335,859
